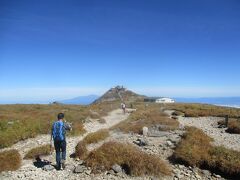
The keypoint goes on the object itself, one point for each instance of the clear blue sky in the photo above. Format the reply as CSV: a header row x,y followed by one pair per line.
x,y
53,49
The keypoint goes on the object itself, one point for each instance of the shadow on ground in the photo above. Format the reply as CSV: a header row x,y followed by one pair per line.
x,y
73,155
39,163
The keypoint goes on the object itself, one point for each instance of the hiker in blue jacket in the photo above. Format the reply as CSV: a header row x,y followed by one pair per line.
x,y
58,135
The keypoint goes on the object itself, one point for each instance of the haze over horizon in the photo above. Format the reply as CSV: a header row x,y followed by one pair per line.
x,y
55,50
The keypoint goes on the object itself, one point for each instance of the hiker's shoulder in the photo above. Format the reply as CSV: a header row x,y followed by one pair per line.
x,y
54,122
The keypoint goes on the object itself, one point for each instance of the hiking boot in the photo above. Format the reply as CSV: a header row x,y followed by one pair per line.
x,y
63,163
58,167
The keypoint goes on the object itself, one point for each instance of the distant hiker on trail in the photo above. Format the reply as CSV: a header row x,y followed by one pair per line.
x,y
123,105
58,135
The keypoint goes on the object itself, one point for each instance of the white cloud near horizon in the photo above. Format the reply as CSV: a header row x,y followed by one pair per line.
x,y
61,93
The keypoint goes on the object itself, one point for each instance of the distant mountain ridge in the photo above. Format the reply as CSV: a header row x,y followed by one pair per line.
x,y
118,93
122,94
84,100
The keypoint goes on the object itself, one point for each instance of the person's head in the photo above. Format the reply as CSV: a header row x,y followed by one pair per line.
x,y
60,116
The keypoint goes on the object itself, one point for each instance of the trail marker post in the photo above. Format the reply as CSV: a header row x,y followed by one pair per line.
x,y
226,120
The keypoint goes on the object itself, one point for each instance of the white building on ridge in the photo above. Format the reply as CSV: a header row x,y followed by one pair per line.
x,y
164,100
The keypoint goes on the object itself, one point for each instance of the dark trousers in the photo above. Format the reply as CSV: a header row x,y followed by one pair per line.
x,y
60,147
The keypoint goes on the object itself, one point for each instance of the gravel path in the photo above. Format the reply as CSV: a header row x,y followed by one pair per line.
x,y
29,171
162,146
209,126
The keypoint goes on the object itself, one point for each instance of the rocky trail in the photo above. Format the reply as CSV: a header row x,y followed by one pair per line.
x,y
162,145
210,127
29,171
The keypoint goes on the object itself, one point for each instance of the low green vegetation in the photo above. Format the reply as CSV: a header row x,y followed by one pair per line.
x,y
133,161
102,109
232,127
19,122
195,149
225,160
10,160
148,116
96,136
81,148
39,151
196,110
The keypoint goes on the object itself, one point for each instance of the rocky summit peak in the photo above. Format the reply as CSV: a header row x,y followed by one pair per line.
x,y
119,93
